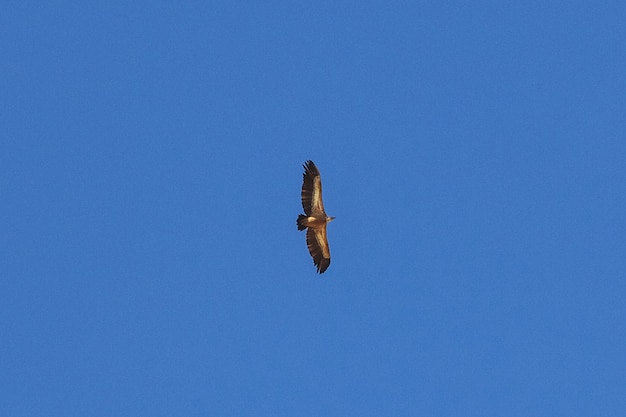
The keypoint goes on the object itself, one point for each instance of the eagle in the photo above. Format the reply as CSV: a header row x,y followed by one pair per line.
x,y
315,218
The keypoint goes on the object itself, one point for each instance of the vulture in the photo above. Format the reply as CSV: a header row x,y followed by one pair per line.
x,y
314,219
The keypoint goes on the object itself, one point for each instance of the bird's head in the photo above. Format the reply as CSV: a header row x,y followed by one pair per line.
x,y
330,219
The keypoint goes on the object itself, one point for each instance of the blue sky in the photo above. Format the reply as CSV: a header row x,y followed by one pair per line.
x,y
473,154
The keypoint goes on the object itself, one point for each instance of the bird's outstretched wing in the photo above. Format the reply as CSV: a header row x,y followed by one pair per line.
x,y
312,191
318,247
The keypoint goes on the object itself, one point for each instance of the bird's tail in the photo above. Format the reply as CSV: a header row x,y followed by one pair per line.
x,y
302,222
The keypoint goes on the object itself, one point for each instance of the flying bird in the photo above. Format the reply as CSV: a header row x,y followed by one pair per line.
x,y
315,218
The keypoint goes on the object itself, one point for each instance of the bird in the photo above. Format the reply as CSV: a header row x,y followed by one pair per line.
x,y
315,219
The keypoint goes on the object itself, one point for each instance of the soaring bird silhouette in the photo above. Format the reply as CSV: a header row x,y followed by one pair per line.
x,y
315,218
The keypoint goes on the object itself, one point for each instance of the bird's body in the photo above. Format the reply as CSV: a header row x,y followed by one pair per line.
x,y
315,218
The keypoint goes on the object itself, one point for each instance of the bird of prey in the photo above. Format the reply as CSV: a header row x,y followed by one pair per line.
x,y
315,218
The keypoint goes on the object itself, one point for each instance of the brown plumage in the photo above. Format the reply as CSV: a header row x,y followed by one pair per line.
x,y
315,218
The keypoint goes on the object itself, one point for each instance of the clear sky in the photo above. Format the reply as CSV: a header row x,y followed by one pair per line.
x,y
150,169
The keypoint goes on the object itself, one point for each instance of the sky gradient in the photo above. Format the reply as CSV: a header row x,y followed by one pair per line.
x,y
151,164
